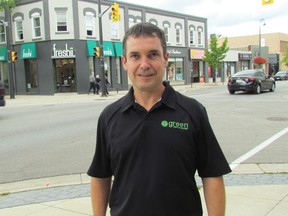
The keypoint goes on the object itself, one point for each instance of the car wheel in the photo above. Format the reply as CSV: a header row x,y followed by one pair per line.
x,y
257,89
272,89
231,92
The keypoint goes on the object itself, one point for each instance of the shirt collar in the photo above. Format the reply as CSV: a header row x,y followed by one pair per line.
x,y
168,98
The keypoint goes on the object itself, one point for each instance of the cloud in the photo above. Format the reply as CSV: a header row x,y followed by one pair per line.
x,y
229,17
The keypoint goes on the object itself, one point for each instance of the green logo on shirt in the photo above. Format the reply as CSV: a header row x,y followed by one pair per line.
x,y
177,125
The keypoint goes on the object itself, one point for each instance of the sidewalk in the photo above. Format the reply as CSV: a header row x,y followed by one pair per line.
x,y
251,189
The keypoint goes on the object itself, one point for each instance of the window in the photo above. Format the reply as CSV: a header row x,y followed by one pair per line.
x,y
178,35
89,17
61,19
166,32
200,36
178,31
115,30
19,28
36,26
192,35
2,32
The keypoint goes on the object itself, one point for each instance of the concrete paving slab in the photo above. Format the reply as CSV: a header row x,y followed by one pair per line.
x,y
274,168
247,168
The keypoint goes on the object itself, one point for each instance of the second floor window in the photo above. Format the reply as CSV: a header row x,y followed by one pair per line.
x,y
2,33
19,29
200,39
178,35
89,17
192,36
61,19
166,32
36,27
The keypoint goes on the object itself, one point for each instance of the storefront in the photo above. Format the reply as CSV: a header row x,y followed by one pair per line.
x,y
197,65
29,56
4,75
177,65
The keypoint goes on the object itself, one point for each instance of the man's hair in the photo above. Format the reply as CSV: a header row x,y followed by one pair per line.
x,y
144,29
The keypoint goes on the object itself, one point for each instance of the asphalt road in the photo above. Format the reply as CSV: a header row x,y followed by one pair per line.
x,y
49,140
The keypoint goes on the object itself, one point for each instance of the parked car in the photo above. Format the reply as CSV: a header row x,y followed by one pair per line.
x,y
254,81
2,94
281,75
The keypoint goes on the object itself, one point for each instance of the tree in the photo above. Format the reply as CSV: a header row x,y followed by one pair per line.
x,y
285,56
215,55
4,4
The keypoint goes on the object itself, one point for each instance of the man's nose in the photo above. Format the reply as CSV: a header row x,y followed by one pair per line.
x,y
145,63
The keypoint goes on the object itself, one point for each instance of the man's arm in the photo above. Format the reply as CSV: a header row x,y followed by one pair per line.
x,y
100,190
214,193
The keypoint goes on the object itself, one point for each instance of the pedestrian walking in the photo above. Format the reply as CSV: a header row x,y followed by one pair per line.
x,y
97,82
92,83
153,141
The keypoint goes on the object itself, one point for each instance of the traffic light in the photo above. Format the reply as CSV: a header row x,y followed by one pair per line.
x,y
115,16
266,2
14,56
97,52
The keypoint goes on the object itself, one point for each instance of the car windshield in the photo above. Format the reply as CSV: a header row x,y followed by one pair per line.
x,y
244,73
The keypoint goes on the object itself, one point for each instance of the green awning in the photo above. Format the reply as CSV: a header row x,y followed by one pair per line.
x,y
118,49
3,53
28,51
108,48
90,47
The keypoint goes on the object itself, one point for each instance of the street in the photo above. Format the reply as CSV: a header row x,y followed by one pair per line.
x,y
57,139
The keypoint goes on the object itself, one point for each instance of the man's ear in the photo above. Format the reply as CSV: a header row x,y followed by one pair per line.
x,y
124,62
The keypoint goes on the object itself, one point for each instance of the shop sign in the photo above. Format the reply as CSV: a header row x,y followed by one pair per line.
x,y
174,52
196,54
64,53
3,53
244,56
28,51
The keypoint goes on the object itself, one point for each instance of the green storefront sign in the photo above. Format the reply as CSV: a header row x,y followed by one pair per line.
x,y
28,51
3,53
109,48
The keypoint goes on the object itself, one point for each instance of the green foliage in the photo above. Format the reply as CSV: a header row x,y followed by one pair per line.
x,y
285,56
7,4
215,56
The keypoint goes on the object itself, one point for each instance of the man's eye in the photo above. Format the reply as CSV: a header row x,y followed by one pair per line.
x,y
153,54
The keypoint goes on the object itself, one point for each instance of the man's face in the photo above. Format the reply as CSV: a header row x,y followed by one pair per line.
x,y
145,62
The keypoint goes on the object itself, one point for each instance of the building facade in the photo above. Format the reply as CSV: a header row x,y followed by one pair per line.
x,y
272,49
55,42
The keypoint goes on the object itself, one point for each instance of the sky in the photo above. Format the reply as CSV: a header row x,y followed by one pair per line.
x,y
229,18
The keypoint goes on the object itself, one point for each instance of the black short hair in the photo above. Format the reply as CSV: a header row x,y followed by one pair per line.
x,y
145,29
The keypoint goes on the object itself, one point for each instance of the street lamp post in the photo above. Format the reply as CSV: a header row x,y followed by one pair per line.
x,y
260,44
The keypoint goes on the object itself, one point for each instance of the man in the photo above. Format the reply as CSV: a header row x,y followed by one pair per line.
x,y
92,83
153,140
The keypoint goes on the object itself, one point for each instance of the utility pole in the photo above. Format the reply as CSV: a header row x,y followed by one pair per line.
x,y
102,72
8,31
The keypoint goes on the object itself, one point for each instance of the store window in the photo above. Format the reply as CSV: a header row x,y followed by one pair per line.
x,y
118,71
175,69
115,30
2,32
61,19
31,75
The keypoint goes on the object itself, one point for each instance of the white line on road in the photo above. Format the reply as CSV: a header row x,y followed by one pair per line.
x,y
257,149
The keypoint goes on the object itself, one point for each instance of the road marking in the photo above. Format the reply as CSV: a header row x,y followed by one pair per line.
x,y
257,149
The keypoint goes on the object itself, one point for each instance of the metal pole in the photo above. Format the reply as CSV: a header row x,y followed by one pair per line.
x,y
9,50
260,39
102,72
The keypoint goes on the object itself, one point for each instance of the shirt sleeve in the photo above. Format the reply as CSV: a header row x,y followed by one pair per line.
x,y
101,164
210,158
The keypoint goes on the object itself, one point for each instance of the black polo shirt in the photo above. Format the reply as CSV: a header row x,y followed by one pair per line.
x,y
154,155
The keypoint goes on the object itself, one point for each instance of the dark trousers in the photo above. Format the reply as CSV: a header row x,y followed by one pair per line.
x,y
92,86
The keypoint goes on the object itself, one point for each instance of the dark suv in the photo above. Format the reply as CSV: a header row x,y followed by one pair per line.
x,y
2,94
